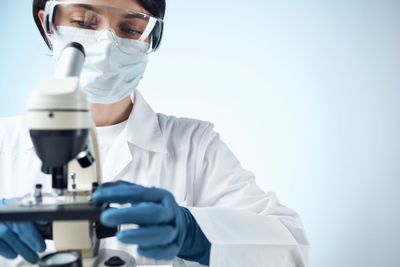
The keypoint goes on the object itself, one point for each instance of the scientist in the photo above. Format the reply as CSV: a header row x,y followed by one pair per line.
x,y
193,202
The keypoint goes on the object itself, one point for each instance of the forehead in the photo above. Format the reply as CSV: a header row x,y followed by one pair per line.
x,y
128,4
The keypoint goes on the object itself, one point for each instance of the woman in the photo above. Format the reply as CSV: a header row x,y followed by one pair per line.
x,y
194,203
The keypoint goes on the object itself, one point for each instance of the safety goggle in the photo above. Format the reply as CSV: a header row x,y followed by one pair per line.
x,y
90,15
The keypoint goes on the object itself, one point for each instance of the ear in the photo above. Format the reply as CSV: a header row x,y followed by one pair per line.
x,y
41,18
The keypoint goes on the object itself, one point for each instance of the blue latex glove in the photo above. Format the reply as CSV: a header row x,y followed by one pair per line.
x,y
165,231
20,239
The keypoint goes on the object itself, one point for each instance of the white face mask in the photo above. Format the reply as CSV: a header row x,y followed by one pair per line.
x,y
108,74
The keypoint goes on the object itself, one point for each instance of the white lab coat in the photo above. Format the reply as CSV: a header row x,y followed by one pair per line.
x,y
245,225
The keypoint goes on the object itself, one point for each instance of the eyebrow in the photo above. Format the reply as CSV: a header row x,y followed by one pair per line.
x,y
126,16
85,6
134,16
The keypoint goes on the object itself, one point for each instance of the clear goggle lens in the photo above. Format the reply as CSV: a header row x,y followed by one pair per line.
x,y
125,24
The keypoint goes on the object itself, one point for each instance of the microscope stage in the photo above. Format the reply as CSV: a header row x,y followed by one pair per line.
x,y
14,211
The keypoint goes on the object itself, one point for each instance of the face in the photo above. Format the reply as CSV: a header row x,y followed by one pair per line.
x,y
127,18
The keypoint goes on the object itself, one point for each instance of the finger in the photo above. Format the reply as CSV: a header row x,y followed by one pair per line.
x,y
119,182
30,235
17,245
124,192
168,252
150,236
6,251
142,214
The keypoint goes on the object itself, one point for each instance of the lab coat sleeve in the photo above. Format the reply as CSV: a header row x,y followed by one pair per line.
x,y
245,225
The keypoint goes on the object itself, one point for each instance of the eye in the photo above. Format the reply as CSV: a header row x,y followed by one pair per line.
x,y
83,24
130,31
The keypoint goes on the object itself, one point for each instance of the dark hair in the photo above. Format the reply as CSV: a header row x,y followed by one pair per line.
x,y
155,7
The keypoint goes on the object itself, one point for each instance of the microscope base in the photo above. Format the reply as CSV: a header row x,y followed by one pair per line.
x,y
100,260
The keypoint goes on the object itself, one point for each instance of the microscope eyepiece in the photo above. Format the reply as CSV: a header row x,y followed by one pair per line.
x,y
71,61
77,46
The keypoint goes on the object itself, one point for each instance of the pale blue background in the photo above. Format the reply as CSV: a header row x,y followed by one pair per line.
x,y
305,93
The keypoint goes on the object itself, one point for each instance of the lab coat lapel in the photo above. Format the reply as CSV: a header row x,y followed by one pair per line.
x,y
118,157
142,130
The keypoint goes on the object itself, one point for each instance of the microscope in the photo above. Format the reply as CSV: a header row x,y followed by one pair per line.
x,y
65,140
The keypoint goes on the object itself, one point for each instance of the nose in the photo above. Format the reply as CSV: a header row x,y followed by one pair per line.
x,y
108,34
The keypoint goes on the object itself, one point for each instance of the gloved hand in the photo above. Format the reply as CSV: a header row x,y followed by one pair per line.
x,y
20,239
165,231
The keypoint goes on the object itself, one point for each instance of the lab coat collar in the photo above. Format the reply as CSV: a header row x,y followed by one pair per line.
x,y
143,128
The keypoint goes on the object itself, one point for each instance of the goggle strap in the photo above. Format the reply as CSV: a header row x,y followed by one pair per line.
x,y
49,11
150,26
